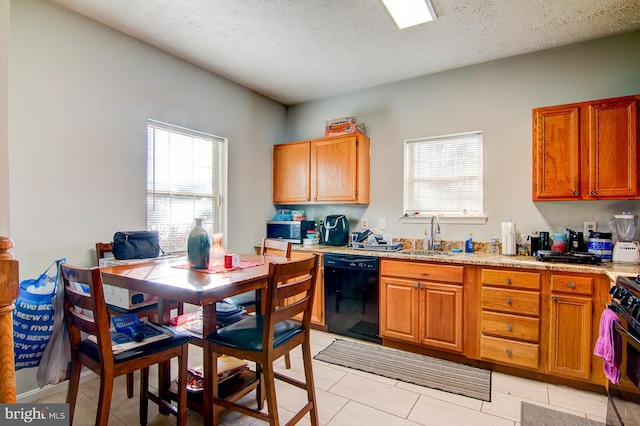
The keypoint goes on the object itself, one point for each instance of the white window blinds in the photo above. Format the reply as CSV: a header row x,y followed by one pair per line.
x,y
444,175
186,179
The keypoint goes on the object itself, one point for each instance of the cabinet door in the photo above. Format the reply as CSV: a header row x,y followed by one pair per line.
x,y
399,309
570,336
334,170
613,149
441,316
556,153
291,173
317,312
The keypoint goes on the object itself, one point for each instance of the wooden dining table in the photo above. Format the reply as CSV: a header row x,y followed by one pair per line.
x,y
169,280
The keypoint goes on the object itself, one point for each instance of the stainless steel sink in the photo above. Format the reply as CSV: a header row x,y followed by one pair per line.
x,y
425,252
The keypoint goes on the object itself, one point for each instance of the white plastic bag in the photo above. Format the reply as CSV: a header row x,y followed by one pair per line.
x,y
56,359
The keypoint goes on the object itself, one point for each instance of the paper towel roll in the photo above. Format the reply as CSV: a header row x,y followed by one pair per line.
x,y
509,238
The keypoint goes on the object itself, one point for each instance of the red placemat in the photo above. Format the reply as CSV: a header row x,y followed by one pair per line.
x,y
220,268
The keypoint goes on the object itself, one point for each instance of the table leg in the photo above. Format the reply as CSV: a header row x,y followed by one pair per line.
x,y
164,368
208,326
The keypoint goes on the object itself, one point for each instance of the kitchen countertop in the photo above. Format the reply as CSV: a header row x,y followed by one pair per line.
x,y
612,270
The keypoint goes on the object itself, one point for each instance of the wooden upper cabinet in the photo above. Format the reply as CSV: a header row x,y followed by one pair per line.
x,y
586,151
613,149
556,154
291,173
325,171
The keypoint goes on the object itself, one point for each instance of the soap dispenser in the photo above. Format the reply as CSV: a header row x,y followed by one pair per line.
x,y
468,245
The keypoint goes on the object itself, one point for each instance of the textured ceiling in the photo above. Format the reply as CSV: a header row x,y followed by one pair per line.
x,y
300,50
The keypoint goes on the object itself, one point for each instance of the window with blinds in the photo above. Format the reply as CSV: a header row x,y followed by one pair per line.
x,y
444,175
186,179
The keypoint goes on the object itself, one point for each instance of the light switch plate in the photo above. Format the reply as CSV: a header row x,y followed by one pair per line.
x,y
590,226
365,223
382,223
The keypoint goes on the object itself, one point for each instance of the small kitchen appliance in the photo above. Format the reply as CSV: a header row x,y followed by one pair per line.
x,y
623,227
576,242
290,230
335,230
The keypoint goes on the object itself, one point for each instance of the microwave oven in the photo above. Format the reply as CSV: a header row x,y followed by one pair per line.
x,y
289,230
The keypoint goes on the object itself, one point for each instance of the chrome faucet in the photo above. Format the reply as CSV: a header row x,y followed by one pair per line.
x,y
434,228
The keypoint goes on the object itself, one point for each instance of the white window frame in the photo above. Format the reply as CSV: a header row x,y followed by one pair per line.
x,y
190,194
469,214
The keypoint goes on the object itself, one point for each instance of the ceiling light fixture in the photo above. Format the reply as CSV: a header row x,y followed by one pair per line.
x,y
408,13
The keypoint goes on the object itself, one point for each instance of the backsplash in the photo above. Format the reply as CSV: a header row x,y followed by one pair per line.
x,y
478,246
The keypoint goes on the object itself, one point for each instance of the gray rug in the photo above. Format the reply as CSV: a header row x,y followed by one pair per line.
x,y
535,415
411,368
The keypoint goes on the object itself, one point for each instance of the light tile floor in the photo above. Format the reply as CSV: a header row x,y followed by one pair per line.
x,y
350,398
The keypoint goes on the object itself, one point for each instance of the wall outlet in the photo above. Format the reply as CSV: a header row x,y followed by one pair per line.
x,y
382,223
590,226
365,223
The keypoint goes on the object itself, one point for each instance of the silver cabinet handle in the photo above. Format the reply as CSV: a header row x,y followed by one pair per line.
x,y
555,299
594,192
509,300
509,327
508,280
571,284
576,192
509,353
421,285
415,285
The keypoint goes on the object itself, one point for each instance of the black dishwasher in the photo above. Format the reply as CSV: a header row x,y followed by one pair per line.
x,y
351,295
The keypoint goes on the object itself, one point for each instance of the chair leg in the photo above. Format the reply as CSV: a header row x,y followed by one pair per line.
x,y
183,360
270,391
104,400
144,400
308,378
287,361
74,383
130,385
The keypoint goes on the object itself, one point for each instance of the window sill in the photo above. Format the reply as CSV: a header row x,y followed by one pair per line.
x,y
465,220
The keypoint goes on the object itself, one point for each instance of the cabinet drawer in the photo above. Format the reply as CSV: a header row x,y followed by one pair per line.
x,y
423,271
510,351
511,301
571,284
510,326
511,279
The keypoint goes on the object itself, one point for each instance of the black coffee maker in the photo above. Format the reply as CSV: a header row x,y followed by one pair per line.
x,y
576,242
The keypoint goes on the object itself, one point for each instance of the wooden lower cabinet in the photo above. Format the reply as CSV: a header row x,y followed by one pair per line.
x,y
510,317
317,313
422,310
508,351
571,326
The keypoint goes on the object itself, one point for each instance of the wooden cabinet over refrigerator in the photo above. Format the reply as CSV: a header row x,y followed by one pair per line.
x,y
332,170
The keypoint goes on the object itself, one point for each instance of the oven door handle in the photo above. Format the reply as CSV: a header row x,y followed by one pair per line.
x,y
627,336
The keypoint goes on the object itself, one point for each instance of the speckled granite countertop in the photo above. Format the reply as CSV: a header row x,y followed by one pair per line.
x,y
486,259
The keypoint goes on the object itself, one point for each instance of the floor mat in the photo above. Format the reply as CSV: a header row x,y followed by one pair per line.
x,y
535,415
411,368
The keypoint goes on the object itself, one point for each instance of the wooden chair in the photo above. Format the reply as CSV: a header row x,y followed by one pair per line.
x,y
264,338
87,312
270,246
150,311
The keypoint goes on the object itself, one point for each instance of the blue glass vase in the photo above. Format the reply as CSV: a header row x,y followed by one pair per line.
x,y
198,246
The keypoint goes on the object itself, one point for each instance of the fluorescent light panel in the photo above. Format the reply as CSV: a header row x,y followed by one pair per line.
x,y
408,13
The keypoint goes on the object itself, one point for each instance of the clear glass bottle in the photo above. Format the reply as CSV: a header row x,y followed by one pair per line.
x,y
217,251
495,244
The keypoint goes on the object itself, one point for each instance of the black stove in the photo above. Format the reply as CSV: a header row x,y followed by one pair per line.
x,y
558,256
